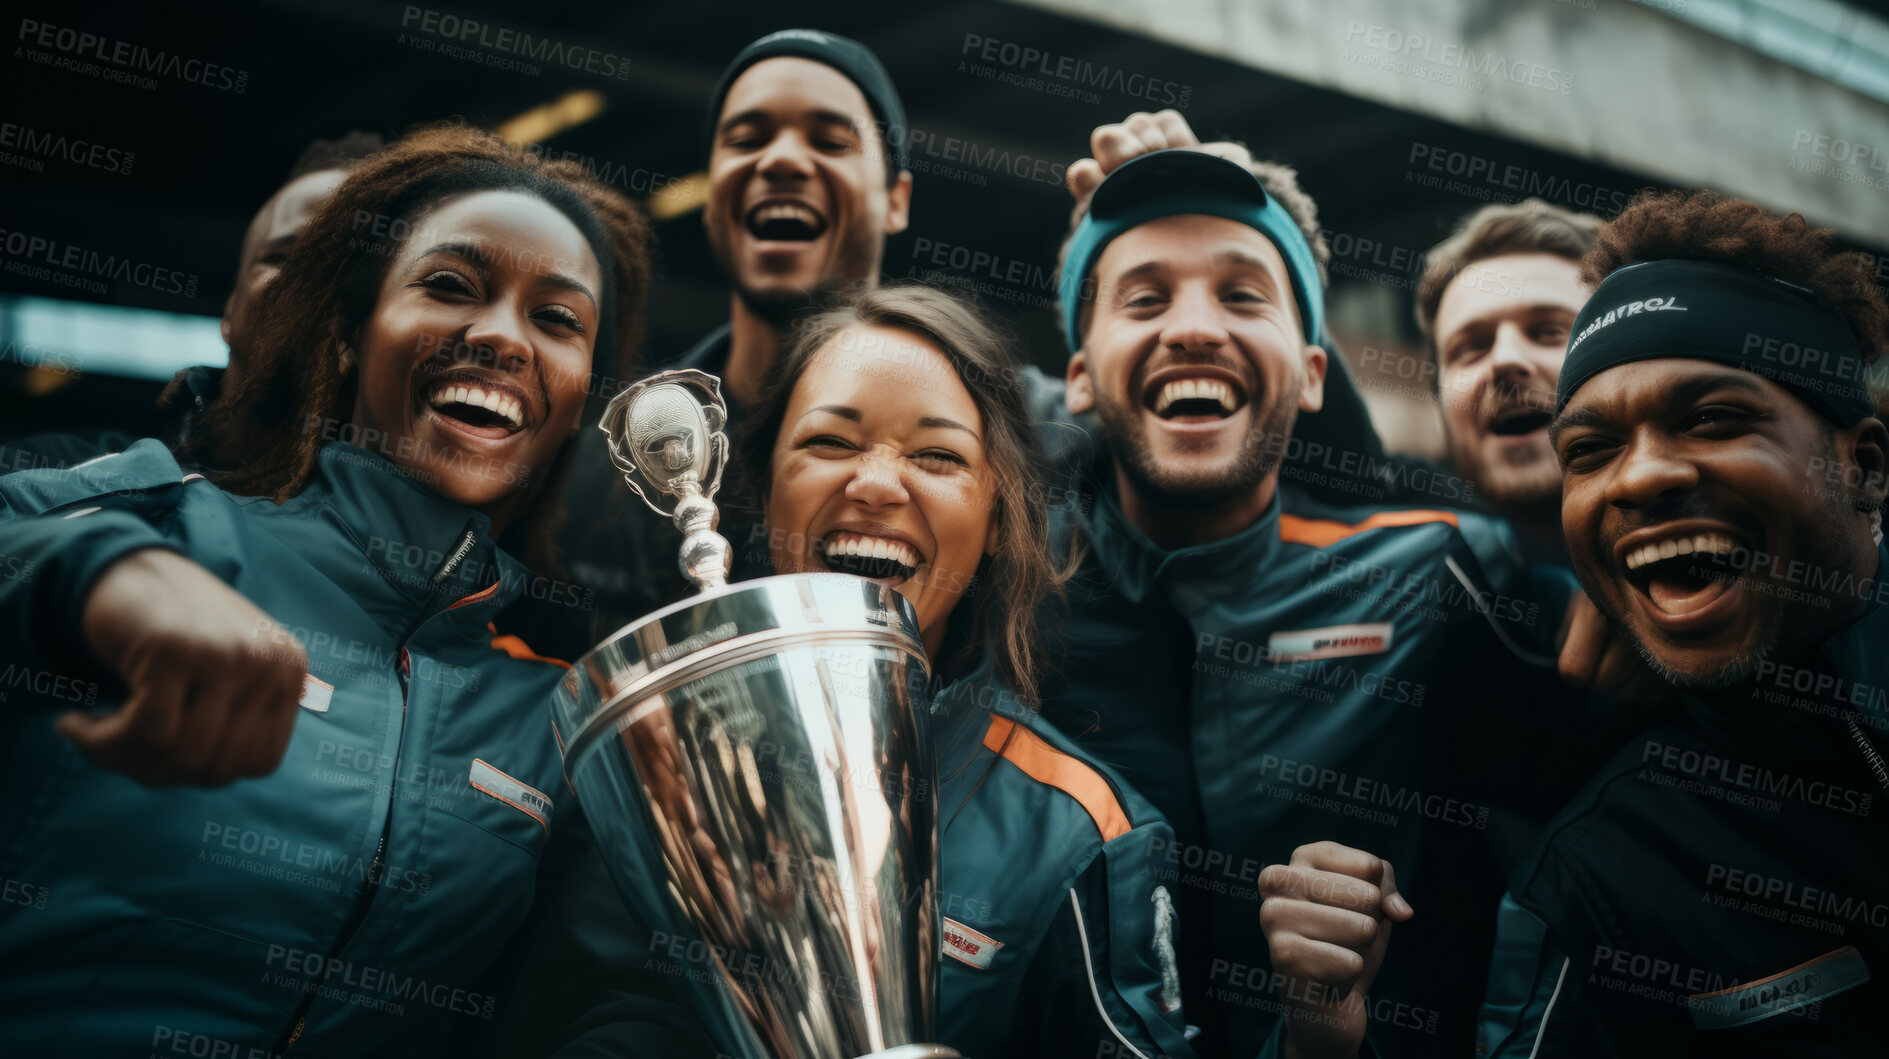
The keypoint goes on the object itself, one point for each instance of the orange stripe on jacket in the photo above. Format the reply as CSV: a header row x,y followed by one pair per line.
x,y
483,594
1046,764
1320,533
519,649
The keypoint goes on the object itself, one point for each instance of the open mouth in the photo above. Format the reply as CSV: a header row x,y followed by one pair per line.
x,y
1684,573
874,558
1519,422
1194,400
786,221
487,409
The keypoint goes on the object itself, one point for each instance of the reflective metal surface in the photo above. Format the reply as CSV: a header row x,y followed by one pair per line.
x,y
666,437
755,767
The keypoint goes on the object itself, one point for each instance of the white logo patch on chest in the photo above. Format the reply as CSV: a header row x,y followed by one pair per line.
x,y
1333,641
965,945
1807,983
521,796
317,693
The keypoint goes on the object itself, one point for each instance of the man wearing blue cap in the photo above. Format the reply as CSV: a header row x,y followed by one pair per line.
x,y
1722,887
1286,677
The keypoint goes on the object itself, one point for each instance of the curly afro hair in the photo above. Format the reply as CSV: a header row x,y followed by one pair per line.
x,y
1709,226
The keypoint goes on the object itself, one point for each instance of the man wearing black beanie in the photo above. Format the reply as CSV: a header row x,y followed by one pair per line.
x,y
806,178
806,175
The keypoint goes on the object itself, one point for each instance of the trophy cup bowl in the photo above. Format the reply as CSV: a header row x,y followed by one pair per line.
x,y
758,775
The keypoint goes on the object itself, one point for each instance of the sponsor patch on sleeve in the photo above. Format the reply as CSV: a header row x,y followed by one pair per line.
x,y
1807,983
521,796
968,946
1333,641
316,693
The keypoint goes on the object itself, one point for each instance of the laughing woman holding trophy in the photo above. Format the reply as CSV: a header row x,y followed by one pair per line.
x,y
897,448
837,825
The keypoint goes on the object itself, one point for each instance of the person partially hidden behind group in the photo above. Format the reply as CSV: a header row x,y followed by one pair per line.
x,y
271,234
892,442
281,785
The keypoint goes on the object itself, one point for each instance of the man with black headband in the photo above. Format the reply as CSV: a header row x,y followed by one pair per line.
x,y
1284,678
806,179
1722,887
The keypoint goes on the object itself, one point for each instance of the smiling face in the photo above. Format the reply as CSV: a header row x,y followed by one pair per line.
x,y
266,244
1690,522
879,470
797,191
1501,334
1194,359
474,361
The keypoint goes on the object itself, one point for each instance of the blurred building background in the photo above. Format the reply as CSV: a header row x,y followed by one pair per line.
x,y
1401,116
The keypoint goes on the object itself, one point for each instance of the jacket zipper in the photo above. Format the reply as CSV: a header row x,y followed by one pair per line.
x,y
371,882
1869,751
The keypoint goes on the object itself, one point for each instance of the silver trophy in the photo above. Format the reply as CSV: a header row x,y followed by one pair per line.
x,y
754,764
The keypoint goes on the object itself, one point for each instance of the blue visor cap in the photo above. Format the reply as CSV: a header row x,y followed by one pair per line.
x,y
1175,182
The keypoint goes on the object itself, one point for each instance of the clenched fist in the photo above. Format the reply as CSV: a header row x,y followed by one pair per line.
x,y
212,683
1327,918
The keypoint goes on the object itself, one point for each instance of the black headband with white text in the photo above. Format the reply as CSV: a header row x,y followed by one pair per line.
x,y
1705,310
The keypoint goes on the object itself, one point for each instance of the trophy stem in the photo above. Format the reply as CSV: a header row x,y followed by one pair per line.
x,y
706,556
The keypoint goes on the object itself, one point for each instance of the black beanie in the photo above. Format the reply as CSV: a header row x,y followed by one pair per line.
x,y
844,54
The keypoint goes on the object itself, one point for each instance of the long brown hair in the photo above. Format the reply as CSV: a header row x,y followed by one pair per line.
x,y
1011,585
273,423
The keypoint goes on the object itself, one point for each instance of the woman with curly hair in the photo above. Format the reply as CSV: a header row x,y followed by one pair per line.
x,y
271,779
